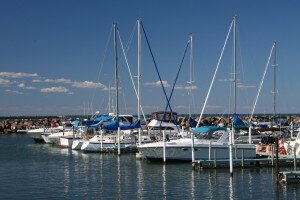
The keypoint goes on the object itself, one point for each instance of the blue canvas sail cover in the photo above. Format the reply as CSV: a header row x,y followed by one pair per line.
x,y
114,126
237,122
192,123
97,121
206,129
104,118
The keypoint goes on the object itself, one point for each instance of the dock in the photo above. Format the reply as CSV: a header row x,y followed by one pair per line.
x,y
245,163
289,177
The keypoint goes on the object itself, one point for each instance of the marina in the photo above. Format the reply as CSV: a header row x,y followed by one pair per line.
x,y
49,172
149,100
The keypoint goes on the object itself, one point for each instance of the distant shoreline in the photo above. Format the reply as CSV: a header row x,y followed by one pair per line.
x,y
149,115
9,125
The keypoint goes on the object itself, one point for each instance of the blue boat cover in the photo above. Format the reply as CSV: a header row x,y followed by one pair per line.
x,y
114,126
206,129
97,121
192,123
237,122
104,118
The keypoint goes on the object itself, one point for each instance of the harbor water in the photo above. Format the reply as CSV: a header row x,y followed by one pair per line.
x,y
40,171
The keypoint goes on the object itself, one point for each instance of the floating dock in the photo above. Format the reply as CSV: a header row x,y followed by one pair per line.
x,y
290,177
245,163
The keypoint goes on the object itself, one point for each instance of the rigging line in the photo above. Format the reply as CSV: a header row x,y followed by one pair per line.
x,y
164,90
169,99
261,83
243,71
130,38
129,70
127,49
212,81
102,62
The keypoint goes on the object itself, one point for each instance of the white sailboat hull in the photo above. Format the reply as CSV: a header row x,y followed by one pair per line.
x,y
95,146
77,144
181,150
66,141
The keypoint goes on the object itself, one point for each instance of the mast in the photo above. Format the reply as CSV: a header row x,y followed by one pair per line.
x,y
274,81
116,71
231,134
139,74
234,64
117,85
191,81
109,99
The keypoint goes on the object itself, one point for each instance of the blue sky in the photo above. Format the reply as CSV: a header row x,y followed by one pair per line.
x,y
53,60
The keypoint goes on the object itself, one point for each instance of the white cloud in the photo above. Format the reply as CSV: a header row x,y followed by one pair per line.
x,y
14,92
17,75
214,106
36,81
182,87
180,107
242,86
23,86
226,80
4,81
55,90
59,80
158,84
88,84
62,80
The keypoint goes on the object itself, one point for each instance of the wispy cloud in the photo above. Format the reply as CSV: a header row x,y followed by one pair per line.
x,y
88,84
37,81
55,90
184,87
214,106
157,84
17,75
180,107
243,86
59,80
226,80
4,81
14,92
23,86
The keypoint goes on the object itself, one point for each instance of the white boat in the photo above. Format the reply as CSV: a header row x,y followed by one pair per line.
x,y
77,144
181,149
98,142
164,121
67,141
36,133
54,138
293,146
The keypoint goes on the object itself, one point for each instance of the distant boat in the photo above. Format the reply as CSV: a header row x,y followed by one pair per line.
x,y
36,133
164,121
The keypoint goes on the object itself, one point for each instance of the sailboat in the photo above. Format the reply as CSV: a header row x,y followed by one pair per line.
x,y
120,140
217,145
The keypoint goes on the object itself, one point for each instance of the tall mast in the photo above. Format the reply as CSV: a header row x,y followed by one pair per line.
x,y
231,134
139,74
191,81
116,71
108,99
234,64
274,83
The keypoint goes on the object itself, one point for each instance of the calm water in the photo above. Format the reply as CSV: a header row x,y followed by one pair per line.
x,y
40,171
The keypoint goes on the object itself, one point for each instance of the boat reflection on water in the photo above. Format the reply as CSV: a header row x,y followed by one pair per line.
x,y
54,173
